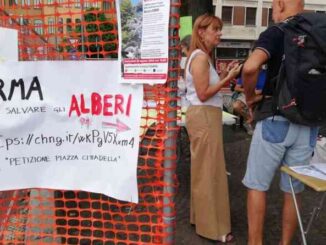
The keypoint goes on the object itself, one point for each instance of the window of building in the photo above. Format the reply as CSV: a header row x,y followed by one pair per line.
x,y
106,5
232,53
26,2
12,2
227,12
69,24
38,26
270,17
78,24
60,25
77,3
10,21
51,26
264,17
238,15
251,16
320,11
37,3
22,20
87,5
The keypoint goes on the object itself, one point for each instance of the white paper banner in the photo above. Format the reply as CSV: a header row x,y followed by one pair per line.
x,y
8,44
69,125
144,40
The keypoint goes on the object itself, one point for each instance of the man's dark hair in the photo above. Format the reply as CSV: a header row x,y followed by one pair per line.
x,y
186,41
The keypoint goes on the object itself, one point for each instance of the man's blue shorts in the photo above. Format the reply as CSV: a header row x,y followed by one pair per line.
x,y
275,142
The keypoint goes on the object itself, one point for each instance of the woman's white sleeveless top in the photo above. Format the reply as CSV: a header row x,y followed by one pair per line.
x,y
215,100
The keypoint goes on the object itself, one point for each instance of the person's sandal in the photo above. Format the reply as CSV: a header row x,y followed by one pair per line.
x,y
227,239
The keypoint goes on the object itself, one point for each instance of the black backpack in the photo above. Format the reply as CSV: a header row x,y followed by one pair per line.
x,y
300,92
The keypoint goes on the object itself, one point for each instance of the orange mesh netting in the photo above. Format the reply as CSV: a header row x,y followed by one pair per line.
x,y
87,29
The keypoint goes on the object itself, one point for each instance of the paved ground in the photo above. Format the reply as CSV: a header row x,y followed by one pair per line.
x,y
236,149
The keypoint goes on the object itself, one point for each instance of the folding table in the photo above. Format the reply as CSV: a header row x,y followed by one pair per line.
x,y
314,183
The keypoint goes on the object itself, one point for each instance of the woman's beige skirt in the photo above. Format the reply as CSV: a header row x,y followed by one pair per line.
x,y
209,205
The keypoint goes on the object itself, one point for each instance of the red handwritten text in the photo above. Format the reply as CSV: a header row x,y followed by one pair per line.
x,y
106,105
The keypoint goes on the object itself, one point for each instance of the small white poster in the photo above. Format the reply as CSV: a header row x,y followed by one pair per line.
x,y
8,44
69,125
317,170
144,40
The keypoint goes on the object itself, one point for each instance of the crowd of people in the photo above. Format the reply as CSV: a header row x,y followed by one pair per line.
x,y
276,141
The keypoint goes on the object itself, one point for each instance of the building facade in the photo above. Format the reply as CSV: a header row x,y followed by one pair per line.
x,y
53,22
44,12
244,20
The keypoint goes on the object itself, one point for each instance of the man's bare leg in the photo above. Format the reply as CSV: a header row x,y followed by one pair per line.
x,y
256,208
290,219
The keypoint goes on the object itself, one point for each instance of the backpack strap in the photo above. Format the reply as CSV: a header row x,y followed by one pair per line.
x,y
277,89
315,22
309,23
286,22
281,25
276,80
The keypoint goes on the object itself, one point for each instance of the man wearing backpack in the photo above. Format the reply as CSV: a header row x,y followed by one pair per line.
x,y
276,140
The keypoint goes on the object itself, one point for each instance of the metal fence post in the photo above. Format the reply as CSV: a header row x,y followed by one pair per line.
x,y
171,126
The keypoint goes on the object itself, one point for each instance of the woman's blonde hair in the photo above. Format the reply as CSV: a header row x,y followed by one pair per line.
x,y
202,23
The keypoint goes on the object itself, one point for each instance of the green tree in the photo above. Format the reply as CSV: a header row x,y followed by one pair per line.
x,y
127,14
126,11
97,35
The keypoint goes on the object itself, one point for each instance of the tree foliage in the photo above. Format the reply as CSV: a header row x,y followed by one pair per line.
x,y
131,27
97,35
126,11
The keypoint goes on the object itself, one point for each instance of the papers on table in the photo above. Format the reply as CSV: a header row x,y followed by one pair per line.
x,y
317,170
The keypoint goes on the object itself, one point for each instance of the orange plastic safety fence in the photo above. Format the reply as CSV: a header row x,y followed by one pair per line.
x,y
78,30
62,29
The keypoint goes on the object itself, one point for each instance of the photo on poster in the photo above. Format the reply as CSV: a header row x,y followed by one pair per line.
x,y
144,40
131,12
